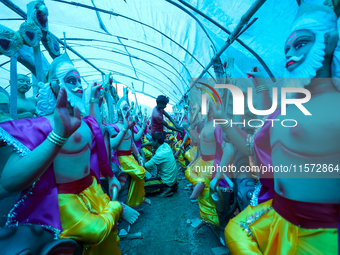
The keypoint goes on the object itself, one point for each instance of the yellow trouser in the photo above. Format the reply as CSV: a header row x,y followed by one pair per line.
x,y
273,235
207,207
136,191
147,150
190,154
90,217
181,159
148,154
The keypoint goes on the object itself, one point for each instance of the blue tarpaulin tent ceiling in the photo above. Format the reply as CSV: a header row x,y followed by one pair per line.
x,y
159,45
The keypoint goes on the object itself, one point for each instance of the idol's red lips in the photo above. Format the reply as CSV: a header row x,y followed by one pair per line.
x,y
80,91
290,63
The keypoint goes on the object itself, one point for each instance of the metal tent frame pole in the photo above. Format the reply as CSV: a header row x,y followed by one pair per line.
x,y
271,75
232,37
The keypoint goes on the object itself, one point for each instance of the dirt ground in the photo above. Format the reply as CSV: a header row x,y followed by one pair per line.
x,y
165,230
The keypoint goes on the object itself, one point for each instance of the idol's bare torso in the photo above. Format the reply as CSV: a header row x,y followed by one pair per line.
x,y
313,143
73,161
207,139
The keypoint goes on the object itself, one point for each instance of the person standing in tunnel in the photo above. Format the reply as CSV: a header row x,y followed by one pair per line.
x,y
157,120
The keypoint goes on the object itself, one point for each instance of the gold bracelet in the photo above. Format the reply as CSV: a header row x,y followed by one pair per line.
x,y
56,139
54,142
262,88
94,100
225,126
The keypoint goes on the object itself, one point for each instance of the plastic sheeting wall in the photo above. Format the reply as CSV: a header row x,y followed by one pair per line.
x,y
144,54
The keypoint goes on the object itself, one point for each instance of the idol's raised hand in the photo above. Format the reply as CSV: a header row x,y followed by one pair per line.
x,y
218,111
258,77
95,90
65,124
128,123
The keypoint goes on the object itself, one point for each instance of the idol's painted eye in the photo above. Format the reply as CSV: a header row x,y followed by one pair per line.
x,y
300,45
72,81
24,81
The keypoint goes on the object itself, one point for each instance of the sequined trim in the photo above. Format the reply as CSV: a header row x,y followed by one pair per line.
x,y
245,225
86,205
254,201
47,227
259,128
21,149
10,217
11,222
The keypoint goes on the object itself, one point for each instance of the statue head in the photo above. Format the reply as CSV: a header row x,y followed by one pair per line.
x,y
24,83
311,44
38,13
30,33
62,74
10,41
162,101
122,107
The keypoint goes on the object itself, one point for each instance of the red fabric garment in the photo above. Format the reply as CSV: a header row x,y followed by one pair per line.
x,y
208,157
156,120
305,214
75,187
123,153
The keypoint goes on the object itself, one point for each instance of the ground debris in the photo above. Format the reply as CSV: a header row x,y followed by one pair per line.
x,y
137,235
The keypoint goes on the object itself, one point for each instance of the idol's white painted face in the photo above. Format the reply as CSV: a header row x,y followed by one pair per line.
x,y
297,47
73,83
